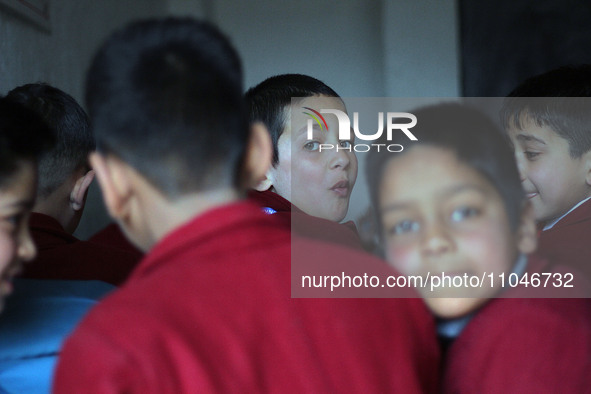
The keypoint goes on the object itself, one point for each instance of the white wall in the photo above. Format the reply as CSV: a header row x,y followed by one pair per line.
x,y
337,42
421,48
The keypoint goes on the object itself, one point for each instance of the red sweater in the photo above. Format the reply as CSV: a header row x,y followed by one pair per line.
x,y
209,310
525,345
569,241
520,345
63,256
306,225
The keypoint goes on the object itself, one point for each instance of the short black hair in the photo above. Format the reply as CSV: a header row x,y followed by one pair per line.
x,y
165,96
558,99
69,123
23,137
267,101
475,140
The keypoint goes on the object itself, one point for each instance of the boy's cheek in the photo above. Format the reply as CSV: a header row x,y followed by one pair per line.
x,y
7,251
405,258
490,251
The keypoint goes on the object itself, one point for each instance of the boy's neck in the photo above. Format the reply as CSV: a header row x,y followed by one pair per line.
x,y
164,216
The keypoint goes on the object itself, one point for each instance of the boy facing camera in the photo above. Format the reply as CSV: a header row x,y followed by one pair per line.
x,y
548,120
209,307
302,178
452,204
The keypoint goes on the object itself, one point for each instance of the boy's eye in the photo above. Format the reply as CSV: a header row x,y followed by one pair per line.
x,y
345,144
464,213
529,155
404,227
14,221
312,146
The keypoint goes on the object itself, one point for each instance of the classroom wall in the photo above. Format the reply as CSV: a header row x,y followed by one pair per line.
x,y
361,48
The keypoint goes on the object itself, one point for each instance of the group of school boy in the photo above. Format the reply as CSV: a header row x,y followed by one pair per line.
x,y
216,193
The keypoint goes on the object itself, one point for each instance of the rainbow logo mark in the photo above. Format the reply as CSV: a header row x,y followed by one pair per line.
x,y
316,117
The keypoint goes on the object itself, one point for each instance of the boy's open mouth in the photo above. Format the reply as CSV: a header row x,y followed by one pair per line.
x,y
341,188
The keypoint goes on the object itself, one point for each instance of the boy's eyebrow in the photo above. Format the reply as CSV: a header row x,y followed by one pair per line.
x,y
529,138
444,194
304,129
25,204
463,187
394,207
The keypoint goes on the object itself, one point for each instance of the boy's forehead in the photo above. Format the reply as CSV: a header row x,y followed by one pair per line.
x,y
299,105
443,173
20,188
530,131
298,111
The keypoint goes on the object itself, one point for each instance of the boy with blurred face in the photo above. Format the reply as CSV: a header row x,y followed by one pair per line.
x,y
451,204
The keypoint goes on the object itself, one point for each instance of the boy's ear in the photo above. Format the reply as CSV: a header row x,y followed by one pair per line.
x,y
527,234
114,184
78,193
259,153
264,184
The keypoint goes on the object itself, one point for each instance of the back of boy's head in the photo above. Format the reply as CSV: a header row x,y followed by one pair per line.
x,y
267,101
165,96
69,123
474,139
23,137
559,99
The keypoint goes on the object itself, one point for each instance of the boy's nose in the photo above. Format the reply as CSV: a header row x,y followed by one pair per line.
x,y
436,240
26,248
340,159
521,168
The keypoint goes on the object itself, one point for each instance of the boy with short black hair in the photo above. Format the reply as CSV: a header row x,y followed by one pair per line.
x,y
64,179
451,204
209,308
302,178
548,120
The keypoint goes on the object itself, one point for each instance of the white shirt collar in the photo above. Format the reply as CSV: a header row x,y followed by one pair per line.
x,y
553,222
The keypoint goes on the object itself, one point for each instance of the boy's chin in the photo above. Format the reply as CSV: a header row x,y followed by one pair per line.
x,y
452,308
336,215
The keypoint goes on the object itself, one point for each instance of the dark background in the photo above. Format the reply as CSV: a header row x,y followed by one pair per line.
x,y
504,42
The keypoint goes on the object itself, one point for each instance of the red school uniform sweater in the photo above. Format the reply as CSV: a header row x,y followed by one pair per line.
x,y
569,240
525,345
306,225
209,310
60,255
